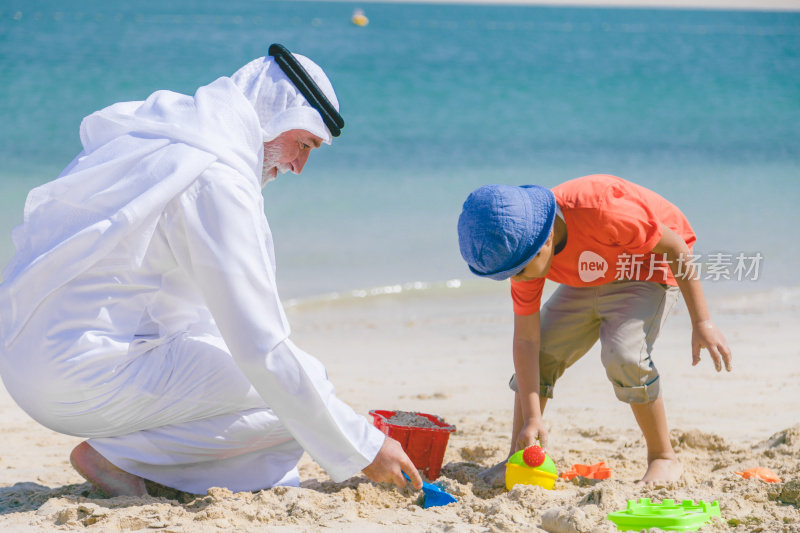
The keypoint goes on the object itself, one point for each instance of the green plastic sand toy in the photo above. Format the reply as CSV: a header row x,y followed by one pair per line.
x,y
668,515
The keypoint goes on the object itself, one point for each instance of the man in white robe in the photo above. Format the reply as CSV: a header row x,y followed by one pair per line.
x,y
141,311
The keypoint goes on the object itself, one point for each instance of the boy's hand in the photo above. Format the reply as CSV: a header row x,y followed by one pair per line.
x,y
532,432
389,465
706,335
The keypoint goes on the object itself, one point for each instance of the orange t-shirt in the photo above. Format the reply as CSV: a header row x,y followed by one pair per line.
x,y
612,227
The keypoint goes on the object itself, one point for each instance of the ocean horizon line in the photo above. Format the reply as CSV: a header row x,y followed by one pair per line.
x,y
735,5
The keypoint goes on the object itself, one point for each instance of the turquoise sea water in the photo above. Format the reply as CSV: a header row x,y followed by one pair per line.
x,y
701,106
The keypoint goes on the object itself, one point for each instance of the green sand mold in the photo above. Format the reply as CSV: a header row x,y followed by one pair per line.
x,y
668,515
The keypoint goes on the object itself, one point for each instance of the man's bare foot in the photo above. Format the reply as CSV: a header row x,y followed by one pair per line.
x,y
495,476
104,475
662,470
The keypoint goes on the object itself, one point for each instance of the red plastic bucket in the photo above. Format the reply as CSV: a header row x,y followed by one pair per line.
x,y
424,446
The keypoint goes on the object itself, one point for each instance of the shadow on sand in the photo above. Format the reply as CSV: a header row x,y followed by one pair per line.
x,y
27,496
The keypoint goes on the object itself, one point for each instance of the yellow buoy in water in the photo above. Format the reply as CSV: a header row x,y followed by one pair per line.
x,y
359,18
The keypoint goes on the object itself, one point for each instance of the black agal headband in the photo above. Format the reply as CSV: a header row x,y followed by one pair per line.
x,y
301,79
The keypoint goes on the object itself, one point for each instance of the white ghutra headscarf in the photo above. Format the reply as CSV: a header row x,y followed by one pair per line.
x,y
279,105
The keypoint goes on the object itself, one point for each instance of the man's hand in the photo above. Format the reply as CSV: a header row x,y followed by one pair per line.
x,y
532,432
389,465
706,335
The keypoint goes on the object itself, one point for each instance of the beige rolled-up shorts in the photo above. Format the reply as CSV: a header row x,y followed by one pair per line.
x,y
626,316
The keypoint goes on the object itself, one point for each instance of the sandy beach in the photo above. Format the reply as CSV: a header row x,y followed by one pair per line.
x,y
445,350
698,103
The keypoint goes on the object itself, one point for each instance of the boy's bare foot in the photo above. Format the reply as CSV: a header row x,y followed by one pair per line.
x,y
662,470
495,476
104,475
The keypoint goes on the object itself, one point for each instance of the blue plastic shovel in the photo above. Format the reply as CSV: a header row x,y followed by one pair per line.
x,y
433,496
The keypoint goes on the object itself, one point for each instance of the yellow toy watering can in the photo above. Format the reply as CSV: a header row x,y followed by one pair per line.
x,y
531,466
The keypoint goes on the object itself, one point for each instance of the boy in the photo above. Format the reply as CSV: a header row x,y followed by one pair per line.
x,y
622,253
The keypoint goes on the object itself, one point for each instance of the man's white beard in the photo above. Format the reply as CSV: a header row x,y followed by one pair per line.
x,y
271,158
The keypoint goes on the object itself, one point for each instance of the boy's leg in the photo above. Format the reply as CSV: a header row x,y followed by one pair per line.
x,y
662,463
569,328
495,476
633,314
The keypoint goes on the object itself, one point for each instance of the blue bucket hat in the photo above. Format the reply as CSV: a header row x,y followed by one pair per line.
x,y
502,227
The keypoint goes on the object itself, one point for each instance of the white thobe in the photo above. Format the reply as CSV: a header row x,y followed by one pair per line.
x,y
147,317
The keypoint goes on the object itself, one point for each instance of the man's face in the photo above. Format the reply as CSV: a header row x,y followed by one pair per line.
x,y
539,266
288,152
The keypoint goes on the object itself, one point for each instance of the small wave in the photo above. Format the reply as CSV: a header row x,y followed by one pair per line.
x,y
383,290
763,301
776,299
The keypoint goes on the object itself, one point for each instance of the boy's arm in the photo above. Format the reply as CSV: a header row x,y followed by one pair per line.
x,y
527,339
704,333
